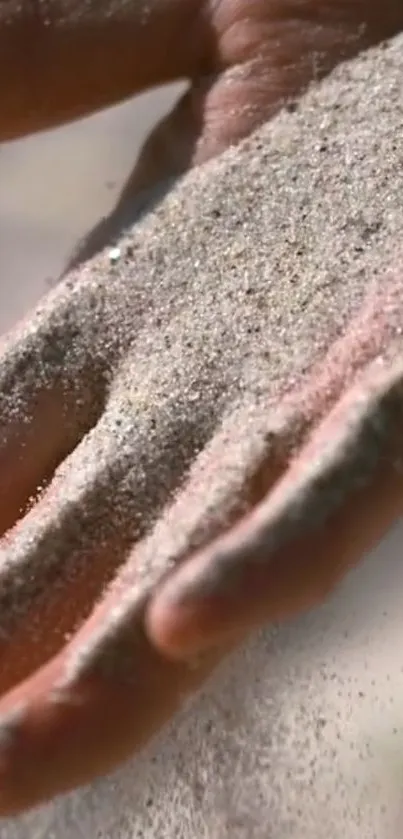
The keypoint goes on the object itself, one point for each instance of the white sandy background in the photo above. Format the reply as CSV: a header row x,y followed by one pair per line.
x,y
300,736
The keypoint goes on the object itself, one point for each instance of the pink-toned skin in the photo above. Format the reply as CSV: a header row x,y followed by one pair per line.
x,y
236,53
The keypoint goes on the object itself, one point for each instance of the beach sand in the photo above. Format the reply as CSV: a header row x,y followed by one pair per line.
x,y
300,734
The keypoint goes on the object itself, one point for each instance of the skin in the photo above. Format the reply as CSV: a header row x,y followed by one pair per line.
x,y
244,59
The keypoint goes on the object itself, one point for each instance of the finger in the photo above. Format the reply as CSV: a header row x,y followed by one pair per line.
x,y
57,731
58,564
58,559
51,392
53,723
100,54
52,565
270,52
61,60
337,499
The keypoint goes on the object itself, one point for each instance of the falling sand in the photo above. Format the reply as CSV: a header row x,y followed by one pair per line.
x,y
169,354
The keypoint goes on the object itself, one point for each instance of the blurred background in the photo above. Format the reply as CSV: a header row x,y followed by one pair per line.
x,y
54,186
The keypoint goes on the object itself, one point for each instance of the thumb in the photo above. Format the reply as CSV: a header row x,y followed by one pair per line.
x,y
64,59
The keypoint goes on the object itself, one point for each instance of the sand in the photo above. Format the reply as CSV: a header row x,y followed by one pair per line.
x,y
224,297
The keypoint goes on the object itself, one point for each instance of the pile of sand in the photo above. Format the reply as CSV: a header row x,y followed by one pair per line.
x,y
253,265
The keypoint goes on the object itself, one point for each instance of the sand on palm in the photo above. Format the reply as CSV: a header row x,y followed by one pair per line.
x,y
242,278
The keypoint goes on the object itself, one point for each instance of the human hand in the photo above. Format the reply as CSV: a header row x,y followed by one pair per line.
x,y
244,59
164,438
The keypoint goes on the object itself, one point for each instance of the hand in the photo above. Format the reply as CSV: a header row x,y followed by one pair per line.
x,y
164,455
244,59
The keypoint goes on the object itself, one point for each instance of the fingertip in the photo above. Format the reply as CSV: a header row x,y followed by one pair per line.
x,y
43,730
183,627
169,626
24,716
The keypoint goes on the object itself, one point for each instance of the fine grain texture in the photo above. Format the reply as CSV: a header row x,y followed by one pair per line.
x,y
227,297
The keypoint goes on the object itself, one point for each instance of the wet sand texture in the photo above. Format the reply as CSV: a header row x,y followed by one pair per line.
x,y
225,297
